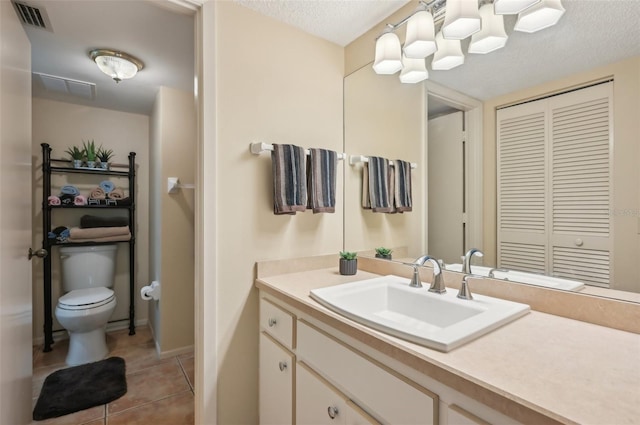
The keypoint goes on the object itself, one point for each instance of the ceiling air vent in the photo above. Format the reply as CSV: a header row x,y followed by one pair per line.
x,y
32,16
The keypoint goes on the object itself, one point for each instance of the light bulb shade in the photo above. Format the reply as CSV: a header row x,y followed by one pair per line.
x,y
117,65
492,36
539,16
413,70
461,19
388,54
511,7
449,54
420,41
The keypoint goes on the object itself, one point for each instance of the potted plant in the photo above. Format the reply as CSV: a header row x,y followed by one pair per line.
x,y
90,153
104,155
77,155
383,252
348,263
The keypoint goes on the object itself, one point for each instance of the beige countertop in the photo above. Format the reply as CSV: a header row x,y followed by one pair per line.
x,y
540,367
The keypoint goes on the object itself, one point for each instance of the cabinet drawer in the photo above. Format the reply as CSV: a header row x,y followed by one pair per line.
x,y
456,415
391,398
277,322
275,382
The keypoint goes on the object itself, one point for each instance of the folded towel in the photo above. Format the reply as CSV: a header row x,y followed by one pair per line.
x,y
60,234
107,186
53,200
289,179
97,232
69,190
402,188
116,238
321,179
97,193
67,199
116,193
122,202
80,200
376,178
89,221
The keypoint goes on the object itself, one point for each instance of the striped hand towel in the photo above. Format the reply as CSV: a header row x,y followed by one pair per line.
x,y
379,175
322,180
289,179
402,191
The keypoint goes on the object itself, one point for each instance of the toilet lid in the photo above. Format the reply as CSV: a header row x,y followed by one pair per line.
x,y
86,298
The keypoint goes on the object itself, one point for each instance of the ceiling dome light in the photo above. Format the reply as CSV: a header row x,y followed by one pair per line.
x,y
388,54
449,54
492,36
420,41
413,70
461,19
511,7
540,16
117,65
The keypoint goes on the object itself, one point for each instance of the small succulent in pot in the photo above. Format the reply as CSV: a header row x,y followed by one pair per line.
x,y
104,155
90,152
348,263
77,155
383,252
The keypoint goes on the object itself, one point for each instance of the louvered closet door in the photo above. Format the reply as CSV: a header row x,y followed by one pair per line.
x,y
581,189
522,204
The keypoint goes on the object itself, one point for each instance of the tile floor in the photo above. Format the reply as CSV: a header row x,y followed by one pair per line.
x,y
159,391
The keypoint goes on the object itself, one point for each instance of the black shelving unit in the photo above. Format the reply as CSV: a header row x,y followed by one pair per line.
x,y
64,166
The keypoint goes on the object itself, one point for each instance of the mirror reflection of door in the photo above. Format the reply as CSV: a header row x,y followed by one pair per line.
x,y
446,205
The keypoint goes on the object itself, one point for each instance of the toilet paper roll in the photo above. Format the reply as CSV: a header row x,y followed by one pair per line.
x,y
151,292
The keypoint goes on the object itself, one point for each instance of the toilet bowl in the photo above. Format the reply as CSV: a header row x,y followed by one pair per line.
x,y
88,302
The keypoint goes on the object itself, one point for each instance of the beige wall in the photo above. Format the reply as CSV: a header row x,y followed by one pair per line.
x,y
62,125
275,84
626,154
172,235
383,117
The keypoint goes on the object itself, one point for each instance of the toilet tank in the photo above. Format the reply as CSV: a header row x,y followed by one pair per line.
x,y
87,266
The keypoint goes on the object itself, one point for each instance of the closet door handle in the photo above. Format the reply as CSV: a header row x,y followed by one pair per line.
x,y
41,253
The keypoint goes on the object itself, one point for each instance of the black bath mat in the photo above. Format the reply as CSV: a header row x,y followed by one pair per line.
x,y
81,387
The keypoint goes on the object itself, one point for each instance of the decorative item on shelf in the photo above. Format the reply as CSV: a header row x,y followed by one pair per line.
x,y
77,155
104,155
348,263
90,152
383,252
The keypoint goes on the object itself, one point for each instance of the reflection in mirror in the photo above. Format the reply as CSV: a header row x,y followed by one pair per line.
x,y
386,118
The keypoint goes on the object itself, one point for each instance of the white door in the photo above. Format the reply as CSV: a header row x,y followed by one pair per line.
x,y
275,382
446,187
15,220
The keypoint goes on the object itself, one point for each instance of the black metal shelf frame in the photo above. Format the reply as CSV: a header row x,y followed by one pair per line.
x,y
47,170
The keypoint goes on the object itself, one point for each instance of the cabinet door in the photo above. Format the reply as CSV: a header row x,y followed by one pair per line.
x,y
458,416
316,401
356,416
276,382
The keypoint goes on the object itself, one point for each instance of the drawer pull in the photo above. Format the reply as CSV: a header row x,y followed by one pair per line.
x,y
272,322
282,366
332,412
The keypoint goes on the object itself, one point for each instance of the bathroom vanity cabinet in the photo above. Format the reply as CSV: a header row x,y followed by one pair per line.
x,y
64,166
313,374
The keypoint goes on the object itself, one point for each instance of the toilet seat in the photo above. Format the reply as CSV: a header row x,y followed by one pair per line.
x,y
85,299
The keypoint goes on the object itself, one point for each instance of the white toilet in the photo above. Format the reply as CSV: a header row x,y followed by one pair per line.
x,y
88,302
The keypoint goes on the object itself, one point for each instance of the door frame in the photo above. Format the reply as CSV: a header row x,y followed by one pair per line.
x,y
474,166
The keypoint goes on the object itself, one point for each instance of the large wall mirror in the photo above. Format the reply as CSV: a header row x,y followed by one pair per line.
x,y
455,185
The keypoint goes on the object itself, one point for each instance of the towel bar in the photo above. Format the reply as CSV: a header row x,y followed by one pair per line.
x,y
259,147
354,159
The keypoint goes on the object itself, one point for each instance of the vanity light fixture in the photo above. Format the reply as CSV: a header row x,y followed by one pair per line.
x,y
117,65
456,20
539,16
388,54
492,36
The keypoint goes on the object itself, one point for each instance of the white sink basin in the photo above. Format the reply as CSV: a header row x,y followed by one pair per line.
x,y
439,321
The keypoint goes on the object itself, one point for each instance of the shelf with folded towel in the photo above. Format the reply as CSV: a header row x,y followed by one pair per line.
x,y
260,147
356,159
88,171
90,243
123,206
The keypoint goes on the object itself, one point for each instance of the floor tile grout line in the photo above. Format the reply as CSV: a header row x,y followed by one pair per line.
x,y
184,373
146,403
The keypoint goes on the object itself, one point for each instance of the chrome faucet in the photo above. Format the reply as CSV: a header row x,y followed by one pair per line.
x,y
465,292
437,284
466,262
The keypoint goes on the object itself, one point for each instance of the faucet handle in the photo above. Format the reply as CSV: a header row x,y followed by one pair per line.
x,y
465,292
492,275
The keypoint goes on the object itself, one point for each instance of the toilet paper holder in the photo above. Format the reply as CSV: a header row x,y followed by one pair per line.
x,y
151,292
